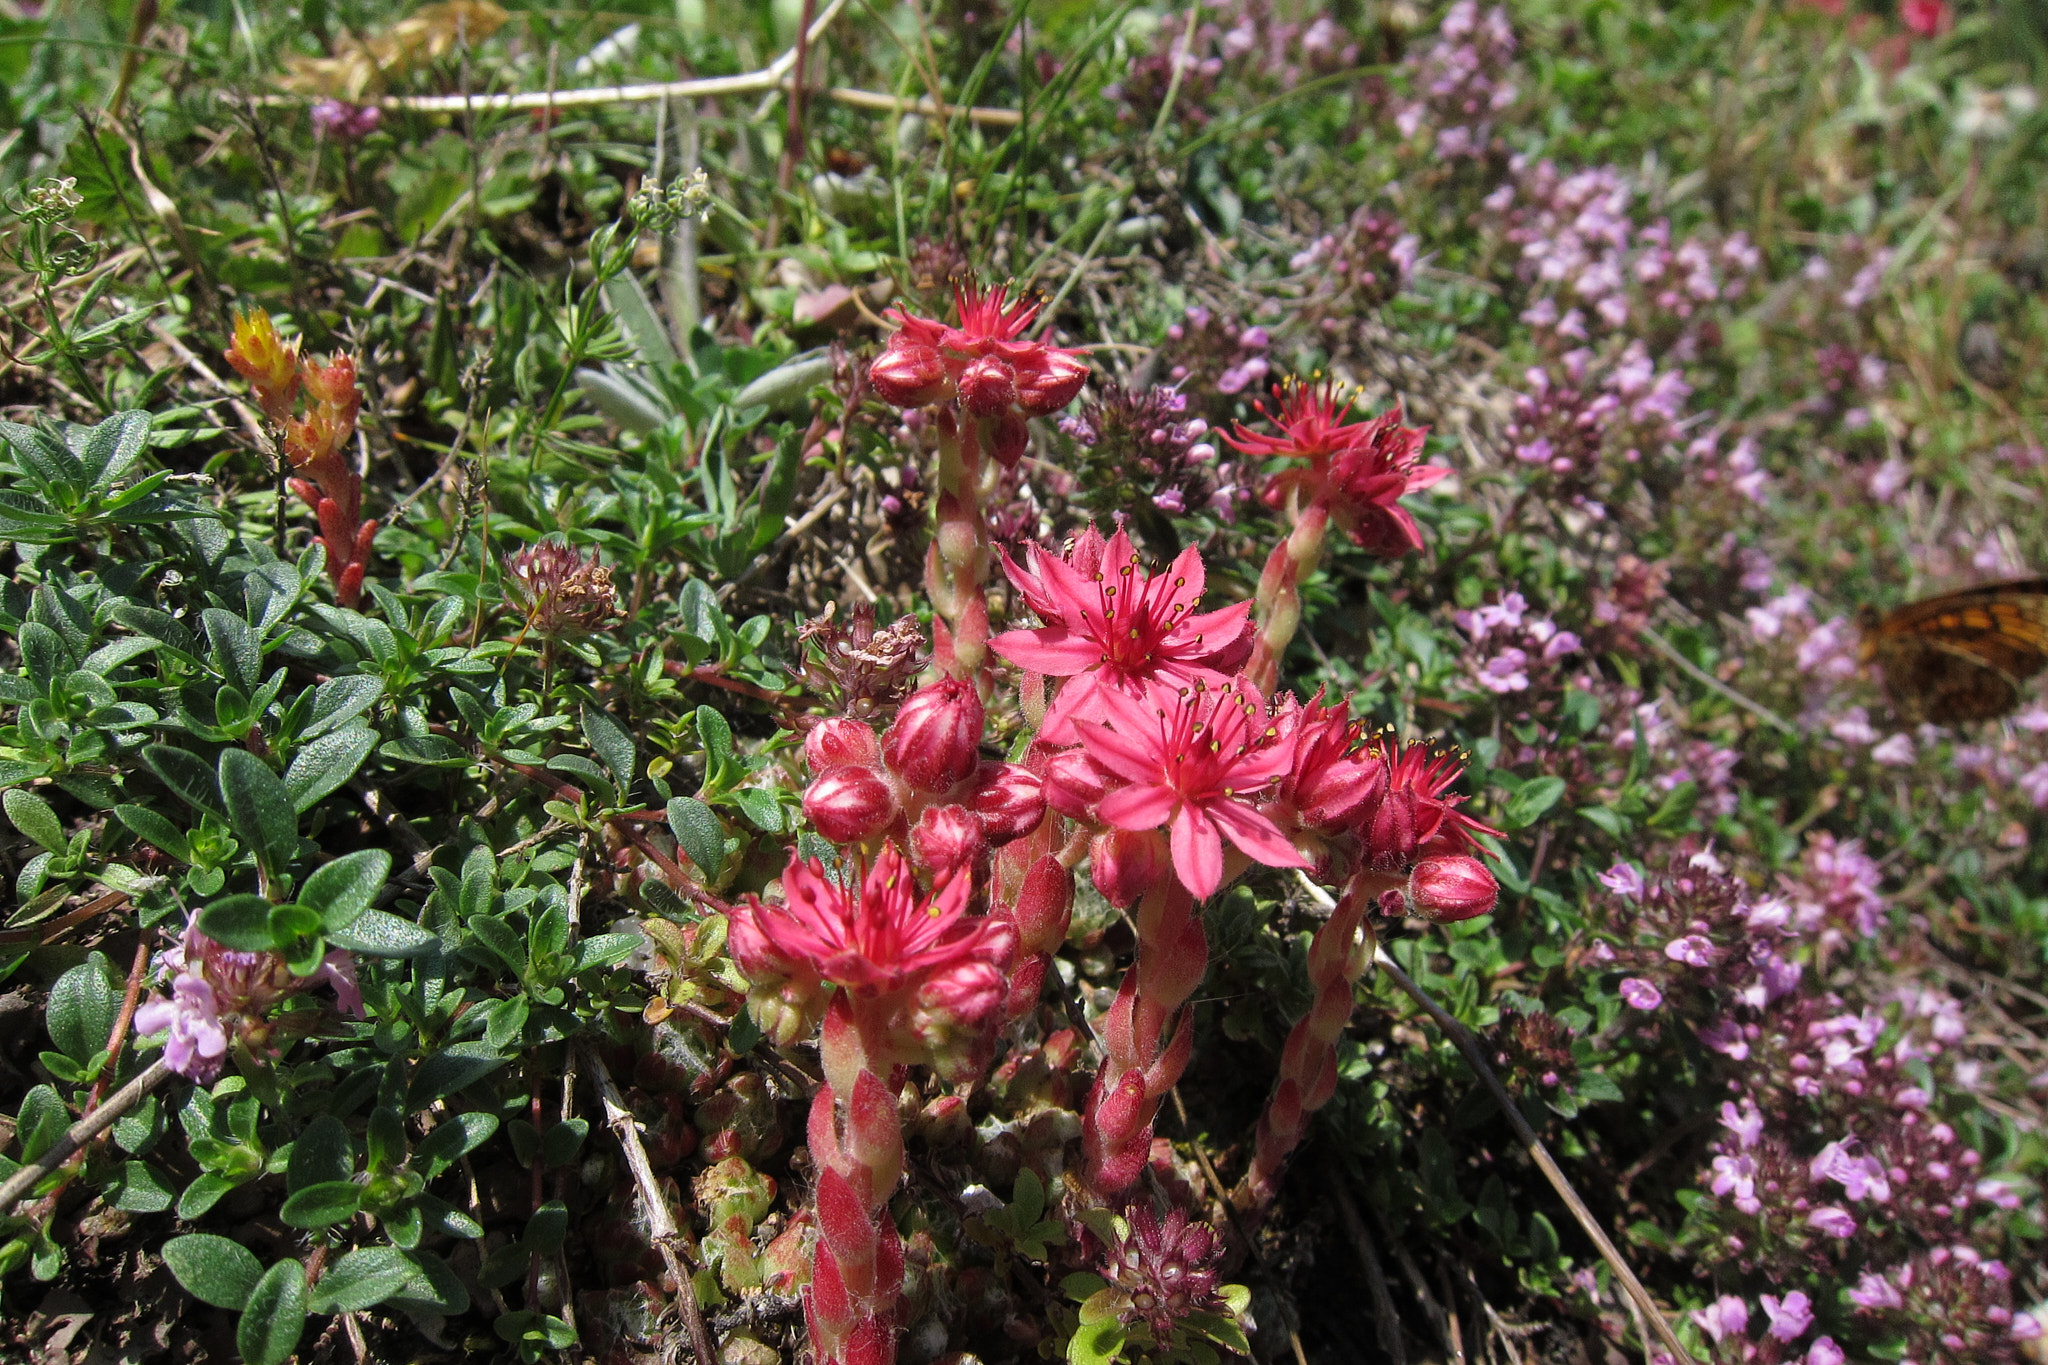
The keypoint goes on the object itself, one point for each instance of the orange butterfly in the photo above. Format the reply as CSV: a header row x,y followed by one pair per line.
x,y
1962,655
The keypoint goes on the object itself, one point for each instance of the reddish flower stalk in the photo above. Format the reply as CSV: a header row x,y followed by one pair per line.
x,y
1385,811
1192,761
1147,1035
917,980
1337,958
982,380
1033,889
314,446
1352,473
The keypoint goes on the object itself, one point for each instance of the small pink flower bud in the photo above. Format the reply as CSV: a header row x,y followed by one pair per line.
x,y
842,742
947,840
1128,863
910,374
1073,784
849,805
1451,888
988,386
1044,905
935,742
1010,800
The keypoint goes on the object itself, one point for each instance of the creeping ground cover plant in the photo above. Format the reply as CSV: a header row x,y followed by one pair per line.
x,y
854,682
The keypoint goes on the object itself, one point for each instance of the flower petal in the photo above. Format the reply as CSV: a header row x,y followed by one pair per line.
x,y
1128,756
1054,651
1140,806
1258,836
1197,853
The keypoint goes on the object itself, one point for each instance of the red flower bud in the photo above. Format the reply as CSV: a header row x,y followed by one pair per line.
x,y
842,742
1073,783
1051,384
849,805
1010,801
1389,830
988,386
946,841
1128,863
1452,888
1045,904
935,742
1008,437
910,374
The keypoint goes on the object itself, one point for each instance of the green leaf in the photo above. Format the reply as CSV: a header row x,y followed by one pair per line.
x,y
760,806
612,742
269,1330
455,1067
43,653
202,1194
381,934
1097,1343
143,1190
322,1155
259,808
340,891
1596,1087
1677,807
187,775
507,1023
1527,806
638,320
501,938
214,1269
602,950
547,1229
111,446
340,700
109,657
41,1121
715,734
1612,822
433,1288
237,655
785,387
81,1008
324,763
321,1205
153,828
361,1279
699,833
238,922
454,1138
34,817
563,1141
596,778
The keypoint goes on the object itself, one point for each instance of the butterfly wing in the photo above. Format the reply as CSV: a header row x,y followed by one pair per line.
x,y
1963,655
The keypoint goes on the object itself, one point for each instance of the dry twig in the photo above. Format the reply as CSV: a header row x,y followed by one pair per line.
x,y
660,1221
82,1132
1639,1297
